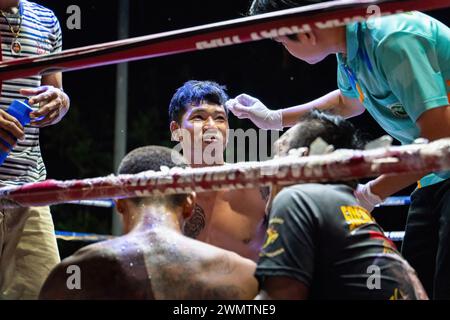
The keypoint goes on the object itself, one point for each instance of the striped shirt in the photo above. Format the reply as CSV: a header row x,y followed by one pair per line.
x,y
40,34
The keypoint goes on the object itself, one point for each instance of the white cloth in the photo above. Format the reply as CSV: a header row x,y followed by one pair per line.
x,y
366,198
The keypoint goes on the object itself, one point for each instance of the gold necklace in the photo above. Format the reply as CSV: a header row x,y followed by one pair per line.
x,y
16,47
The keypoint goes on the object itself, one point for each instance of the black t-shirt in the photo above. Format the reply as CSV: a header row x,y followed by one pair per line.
x,y
319,235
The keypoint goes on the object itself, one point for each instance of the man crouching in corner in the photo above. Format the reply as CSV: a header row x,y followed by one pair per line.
x,y
154,260
320,244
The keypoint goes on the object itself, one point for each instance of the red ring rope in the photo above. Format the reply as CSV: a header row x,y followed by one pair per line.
x,y
208,36
338,166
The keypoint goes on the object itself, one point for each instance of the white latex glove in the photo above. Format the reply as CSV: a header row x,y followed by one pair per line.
x,y
248,107
365,197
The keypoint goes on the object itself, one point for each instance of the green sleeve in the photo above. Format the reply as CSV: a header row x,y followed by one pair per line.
x,y
410,64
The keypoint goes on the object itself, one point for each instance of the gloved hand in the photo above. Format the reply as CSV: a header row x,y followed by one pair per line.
x,y
365,197
248,107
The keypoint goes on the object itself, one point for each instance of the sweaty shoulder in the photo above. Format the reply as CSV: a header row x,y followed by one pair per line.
x,y
93,272
82,275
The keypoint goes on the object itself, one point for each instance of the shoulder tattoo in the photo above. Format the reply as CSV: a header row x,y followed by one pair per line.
x,y
196,223
265,192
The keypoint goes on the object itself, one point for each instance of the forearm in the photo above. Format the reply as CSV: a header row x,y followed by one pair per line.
x,y
327,102
434,124
332,102
386,185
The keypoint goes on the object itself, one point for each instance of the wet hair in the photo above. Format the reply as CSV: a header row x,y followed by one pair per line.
x,y
334,130
152,158
194,93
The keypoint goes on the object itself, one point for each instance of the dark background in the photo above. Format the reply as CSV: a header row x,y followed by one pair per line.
x,y
81,145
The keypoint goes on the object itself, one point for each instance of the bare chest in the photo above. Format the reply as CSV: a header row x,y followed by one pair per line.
x,y
233,221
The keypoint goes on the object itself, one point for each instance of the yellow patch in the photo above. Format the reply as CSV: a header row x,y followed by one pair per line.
x,y
272,236
398,295
356,216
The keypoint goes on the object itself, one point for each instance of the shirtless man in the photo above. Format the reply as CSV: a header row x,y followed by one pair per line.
x,y
235,219
153,260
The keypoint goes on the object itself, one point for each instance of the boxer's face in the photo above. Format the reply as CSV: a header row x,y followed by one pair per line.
x,y
203,134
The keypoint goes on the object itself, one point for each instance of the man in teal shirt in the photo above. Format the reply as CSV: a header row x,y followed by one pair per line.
x,y
411,52
398,69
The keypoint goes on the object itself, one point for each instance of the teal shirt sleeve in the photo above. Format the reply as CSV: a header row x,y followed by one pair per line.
x,y
410,65
344,83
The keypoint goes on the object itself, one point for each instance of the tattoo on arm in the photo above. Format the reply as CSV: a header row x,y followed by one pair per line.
x,y
265,193
196,223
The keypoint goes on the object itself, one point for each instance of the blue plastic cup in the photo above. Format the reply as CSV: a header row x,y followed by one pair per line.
x,y
21,111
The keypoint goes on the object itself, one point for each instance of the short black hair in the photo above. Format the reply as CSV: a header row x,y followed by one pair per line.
x,y
264,6
333,129
152,158
195,92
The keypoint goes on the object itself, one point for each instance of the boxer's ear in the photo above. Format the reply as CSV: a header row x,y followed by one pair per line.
x,y
175,131
189,205
120,206
123,208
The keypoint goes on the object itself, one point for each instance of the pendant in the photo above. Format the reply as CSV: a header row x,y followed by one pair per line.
x,y
16,47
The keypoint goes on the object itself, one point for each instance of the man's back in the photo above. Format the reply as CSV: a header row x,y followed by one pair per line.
x,y
184,268
320,236
179,268
113,269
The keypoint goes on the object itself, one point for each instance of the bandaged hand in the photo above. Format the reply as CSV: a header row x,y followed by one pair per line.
x,y
366,198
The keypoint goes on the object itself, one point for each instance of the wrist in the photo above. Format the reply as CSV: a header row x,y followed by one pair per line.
x,y
281,118
277,119
375,190
372,195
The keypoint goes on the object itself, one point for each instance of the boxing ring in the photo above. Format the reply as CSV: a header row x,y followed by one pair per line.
x,y
339,165
109,204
